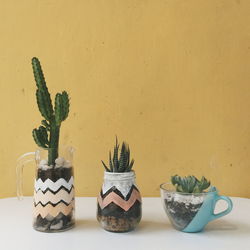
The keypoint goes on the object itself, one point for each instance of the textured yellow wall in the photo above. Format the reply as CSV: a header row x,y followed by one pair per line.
x,y
170,77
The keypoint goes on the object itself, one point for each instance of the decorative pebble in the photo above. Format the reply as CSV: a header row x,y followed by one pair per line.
x,y
56,226
60,163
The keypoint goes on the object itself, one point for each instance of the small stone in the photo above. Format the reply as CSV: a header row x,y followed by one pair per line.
x,y
67,164
43,162
59,162
44,165
50,217
56,225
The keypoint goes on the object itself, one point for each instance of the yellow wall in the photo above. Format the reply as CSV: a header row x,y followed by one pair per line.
x,y
171,77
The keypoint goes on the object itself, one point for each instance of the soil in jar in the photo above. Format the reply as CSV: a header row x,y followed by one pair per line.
x,y
114,219
181,213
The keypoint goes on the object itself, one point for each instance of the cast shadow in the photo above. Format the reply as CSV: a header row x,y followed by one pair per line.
x,y
143,227
222,226
152,226
86,225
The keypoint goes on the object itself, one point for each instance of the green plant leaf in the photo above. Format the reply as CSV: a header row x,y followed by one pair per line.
x,y
115,157
123,158
42,94
110,162
106,168
40,138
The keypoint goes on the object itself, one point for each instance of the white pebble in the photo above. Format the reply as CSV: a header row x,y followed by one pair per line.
x,y
59,161
67,164
57,226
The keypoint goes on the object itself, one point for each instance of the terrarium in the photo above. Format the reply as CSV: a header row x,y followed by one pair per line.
x,y
54,198
119,202
188,205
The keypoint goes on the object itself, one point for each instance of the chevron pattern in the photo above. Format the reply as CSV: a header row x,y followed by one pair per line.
x,y
117,198
52,198
53,211
61,195
53,186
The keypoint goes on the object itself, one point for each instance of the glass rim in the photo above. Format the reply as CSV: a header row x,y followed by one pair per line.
x,y
60,147
174,191
119,173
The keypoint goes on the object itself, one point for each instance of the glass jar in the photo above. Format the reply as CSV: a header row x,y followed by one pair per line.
x,y
119,202
54,194
190,212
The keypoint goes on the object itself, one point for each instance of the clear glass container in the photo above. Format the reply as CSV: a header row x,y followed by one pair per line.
x,y
54,194
119,202
190,212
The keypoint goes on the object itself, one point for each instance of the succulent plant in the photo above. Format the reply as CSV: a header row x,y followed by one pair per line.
x,y
47,135
190,184
122,163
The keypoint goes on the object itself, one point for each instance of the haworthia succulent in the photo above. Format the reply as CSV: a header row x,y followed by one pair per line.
x,y
119,163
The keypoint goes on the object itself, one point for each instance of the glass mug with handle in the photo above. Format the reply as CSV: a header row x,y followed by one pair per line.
x,y
190,212
54,194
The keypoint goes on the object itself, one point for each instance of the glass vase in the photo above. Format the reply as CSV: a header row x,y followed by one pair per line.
x,y
54,194
119,202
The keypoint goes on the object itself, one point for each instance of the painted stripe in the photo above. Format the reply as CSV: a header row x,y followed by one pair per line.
x,y
115,198
117,191
124,187
53,205
53,186
53,211
44,198
54,192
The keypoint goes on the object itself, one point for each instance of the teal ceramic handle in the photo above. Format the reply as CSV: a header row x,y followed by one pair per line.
x,y
223,213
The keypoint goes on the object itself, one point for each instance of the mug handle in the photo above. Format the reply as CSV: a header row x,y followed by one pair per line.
x,y
225,212
21,162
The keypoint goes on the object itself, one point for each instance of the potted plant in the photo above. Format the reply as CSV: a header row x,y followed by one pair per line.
x,y
119,202
54,184
190,207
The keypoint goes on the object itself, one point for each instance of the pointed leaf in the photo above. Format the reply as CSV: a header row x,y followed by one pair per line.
x,y
106,168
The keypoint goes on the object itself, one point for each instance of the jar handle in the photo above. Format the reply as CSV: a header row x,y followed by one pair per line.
x,y
21,162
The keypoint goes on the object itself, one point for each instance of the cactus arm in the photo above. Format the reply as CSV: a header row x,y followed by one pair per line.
x,y
46,125
61,107
40,138
44,134
58,109
65,101
42,93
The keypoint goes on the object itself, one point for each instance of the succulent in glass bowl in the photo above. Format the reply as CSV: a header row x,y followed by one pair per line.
x,y
188,205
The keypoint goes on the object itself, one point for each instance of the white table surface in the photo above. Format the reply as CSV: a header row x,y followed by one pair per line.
x,y
154,231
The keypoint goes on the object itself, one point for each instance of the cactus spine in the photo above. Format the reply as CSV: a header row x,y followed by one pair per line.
x,y
47,135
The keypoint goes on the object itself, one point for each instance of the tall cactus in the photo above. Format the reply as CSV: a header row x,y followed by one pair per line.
x,y
47,135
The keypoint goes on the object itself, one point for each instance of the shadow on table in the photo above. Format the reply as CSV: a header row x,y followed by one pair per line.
x,y
87,224
223,226
152,226
144,226
216,227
